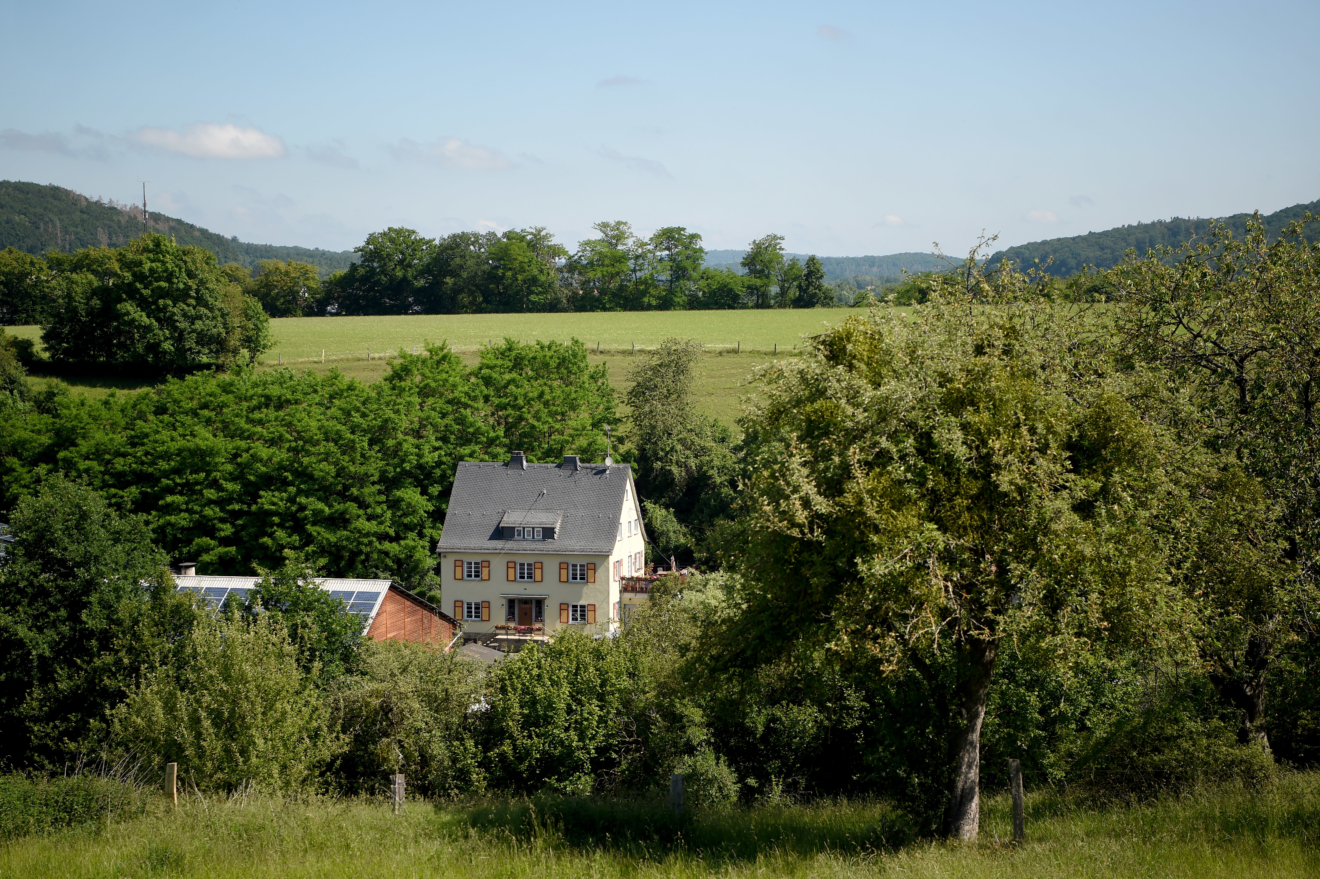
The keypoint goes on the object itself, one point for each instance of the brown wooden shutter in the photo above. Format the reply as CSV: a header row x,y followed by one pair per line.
x,y
458,569
485,611
563,613
563,572
458,610
591,613
591,573
538,572
511,571
485,569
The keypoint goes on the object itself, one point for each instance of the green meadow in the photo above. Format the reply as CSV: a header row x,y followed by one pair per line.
x,y
736,343
1230,833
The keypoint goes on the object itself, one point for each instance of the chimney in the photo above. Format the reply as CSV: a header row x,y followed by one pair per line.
x,y
186,569
571,462
519,460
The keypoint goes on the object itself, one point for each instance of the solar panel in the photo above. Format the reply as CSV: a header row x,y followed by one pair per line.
x,y
367,596
361,607
342,595
215,593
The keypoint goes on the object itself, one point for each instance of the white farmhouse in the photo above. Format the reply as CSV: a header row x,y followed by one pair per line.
x,y
530,549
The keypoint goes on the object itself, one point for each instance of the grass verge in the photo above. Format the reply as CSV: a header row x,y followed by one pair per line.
x,y
1228,833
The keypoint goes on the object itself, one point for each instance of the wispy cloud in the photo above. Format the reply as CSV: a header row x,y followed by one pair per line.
x,y
832,33
892,220
331,154
637,163
1081,201
213,140
452,152
86,143
1042,217
618,81
490,226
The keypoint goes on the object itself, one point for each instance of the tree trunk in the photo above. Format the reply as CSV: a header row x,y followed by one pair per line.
x,y
962,814
1246,691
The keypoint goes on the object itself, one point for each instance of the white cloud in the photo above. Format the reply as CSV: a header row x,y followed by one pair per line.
x,y
893,220
451,152
86,142
617,81
832,33
637,163
213,140
1042,217
490,226
1081,201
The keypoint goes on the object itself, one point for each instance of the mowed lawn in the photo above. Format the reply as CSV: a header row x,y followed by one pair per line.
x,y
735,344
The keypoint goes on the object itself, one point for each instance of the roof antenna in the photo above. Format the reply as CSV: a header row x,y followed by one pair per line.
x,y
608,459
144,207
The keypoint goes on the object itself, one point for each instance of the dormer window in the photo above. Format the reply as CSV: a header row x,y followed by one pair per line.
x,y
527,534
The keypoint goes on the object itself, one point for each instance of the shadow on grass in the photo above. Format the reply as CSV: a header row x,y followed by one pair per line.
x,y
647,828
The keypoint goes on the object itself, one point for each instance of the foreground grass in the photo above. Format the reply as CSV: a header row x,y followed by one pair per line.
x,y
1230,834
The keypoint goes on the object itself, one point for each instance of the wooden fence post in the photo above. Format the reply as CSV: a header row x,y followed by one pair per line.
x,y
676,793
776,349
1015,787
368,355
172,783
397,790
322,356
739,347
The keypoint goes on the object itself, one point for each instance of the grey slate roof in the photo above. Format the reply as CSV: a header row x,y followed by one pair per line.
x,y
588,502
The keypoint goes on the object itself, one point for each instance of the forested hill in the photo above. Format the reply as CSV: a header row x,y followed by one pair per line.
x,y
36,218
838,268
1105,249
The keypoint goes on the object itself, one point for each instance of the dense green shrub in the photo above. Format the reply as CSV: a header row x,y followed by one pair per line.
x,y
31,805
235,709
410,709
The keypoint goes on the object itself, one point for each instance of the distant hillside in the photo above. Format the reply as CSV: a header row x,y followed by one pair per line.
x,y
839,268
36,218
1105,249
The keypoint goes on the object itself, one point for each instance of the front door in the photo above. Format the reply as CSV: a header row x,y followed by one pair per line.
x,y
524,611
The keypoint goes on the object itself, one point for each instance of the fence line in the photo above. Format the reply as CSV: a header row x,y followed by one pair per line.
x,y
367,355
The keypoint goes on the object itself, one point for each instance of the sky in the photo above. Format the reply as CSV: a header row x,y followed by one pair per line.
x,y
848,128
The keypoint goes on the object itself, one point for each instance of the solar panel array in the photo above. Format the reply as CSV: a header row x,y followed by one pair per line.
x,y
362,602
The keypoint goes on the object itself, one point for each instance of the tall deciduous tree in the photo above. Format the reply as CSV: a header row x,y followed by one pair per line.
x,y
286,288
26,293
679,259
938,483
764,264
392,275
1234,321
812,292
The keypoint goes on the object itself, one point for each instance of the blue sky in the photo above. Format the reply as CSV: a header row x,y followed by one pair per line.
x,y
849,128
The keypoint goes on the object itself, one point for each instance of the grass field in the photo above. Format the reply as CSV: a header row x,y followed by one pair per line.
x,y
1231,834
736,342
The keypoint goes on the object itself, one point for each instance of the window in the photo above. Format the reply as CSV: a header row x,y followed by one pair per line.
x,y
620,537
638,556
527,571
637,526
577,613
618,569
511,610
472,610
527,534
577,572
630,563
471,570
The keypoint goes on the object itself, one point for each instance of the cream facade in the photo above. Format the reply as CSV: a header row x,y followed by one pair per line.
x,y
533,549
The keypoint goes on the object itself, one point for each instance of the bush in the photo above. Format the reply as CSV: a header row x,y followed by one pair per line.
x,y
410,710
38,805
235,709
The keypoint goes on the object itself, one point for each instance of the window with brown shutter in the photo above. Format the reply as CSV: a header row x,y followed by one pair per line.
x,y
485,611
591,572
458,569
591,613
563,613
458,610
563,572
538,572
510,572
485,569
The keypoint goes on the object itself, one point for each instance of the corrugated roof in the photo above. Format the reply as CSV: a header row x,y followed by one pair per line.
x,y
363,597
587,500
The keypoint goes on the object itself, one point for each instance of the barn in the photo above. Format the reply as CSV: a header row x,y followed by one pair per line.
x,y
387,610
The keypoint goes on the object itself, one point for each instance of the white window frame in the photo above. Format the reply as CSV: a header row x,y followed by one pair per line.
x,y
528,534
630,527
472,611
620,537
630,564
577,613
577,572
618,569
471,570
525,568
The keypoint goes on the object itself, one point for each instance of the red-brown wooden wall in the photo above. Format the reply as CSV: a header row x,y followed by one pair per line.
x,y
405,617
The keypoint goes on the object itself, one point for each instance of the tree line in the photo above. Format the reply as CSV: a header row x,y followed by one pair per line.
x,y
981,528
